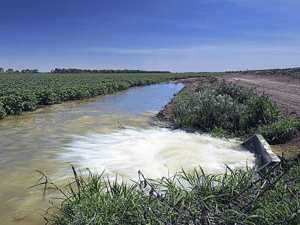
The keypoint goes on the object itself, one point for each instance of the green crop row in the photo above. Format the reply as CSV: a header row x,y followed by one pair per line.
x,y
291,72
24,92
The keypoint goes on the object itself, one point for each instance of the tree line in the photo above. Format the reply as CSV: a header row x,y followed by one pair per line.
x,y
72,70
17,71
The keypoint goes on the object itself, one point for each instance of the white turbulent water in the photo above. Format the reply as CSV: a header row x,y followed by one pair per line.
x,y
86,133
155,152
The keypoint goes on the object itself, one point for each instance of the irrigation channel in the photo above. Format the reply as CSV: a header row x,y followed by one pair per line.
x,y
90,133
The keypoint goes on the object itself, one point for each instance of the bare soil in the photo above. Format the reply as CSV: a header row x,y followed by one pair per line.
x,y
282,90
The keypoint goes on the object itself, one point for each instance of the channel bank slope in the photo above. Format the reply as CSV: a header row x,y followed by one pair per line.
x,y
282,90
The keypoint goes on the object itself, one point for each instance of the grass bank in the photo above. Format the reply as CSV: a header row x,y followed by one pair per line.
x,y
235,197
228,110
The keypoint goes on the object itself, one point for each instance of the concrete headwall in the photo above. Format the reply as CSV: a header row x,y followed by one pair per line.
x,y
264,155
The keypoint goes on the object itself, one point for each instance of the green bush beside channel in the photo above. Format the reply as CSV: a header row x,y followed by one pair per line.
x,y
280,132
230,107
228,110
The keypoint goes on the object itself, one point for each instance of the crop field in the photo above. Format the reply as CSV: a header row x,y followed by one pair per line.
x,y
225,110
235,197
24,92
290,72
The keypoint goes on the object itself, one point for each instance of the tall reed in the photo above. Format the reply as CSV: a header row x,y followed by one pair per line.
x,y
235,197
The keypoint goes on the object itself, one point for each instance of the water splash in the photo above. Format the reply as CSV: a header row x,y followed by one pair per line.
x,y
156,152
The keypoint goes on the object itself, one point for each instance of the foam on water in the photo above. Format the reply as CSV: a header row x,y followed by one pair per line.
x,y
155,152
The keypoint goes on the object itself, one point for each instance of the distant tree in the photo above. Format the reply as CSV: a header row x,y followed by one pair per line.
x,y
1,70
17,71
29,71
56,70
73,70
9,70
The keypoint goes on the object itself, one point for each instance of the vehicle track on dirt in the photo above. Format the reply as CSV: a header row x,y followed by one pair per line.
x,y
282,90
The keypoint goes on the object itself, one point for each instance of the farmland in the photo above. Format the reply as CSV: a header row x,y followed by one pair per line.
x,y
289,72
25,92
233,197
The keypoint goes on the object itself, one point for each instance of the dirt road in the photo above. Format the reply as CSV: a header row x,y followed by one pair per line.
x,y
285,92
282,90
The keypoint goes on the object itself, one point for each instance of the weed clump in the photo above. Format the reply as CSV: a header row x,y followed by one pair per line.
x,y
235,197
230,107
280,132
2,111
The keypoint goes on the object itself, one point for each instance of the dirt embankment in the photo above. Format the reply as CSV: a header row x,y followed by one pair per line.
x,y
190,84
282,90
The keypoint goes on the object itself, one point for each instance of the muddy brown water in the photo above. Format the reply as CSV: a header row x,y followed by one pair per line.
x,y
90,133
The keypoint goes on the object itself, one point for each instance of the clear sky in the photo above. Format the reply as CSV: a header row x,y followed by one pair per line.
x,y
175,35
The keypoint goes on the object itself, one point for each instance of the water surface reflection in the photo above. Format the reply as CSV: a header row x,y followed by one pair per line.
x,y
87,133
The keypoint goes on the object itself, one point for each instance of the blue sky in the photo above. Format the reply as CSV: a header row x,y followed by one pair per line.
x,y
175,35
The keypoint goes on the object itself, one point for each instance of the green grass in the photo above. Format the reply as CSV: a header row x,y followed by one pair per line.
x,y
235,197
280,132
24,92
228,110
225,108
291,72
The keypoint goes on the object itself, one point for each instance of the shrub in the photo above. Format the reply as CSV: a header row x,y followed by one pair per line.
x,y
233,108
48,97
12,104
260,110
280,132
29,101
2,111
201,88
207,111
237,92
